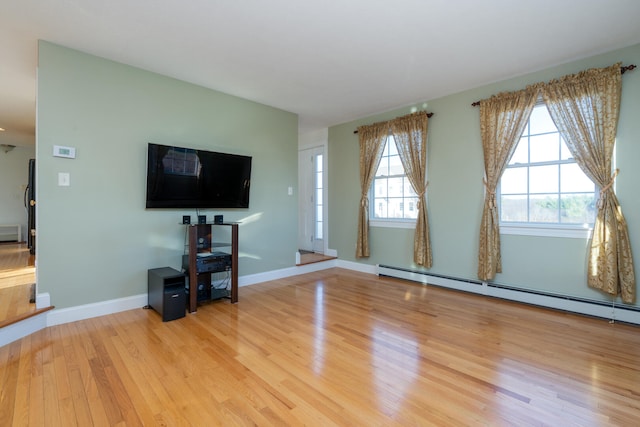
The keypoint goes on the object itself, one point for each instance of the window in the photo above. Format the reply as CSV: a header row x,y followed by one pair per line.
x,y
392,194
543,186
318,171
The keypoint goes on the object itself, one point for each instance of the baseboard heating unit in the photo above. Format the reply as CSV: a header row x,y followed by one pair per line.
x,y
613,312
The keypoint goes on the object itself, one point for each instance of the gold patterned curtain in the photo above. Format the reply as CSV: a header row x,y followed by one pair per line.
x,y
503,118
410,134
585,109
372,139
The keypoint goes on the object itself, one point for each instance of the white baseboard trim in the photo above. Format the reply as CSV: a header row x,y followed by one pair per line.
x,y
43,300
589,308
356,266
252,279
427,279
87,311
559,302
53,317
14,332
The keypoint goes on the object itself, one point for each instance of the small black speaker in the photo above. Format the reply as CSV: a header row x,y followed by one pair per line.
x,y
202,219
186,219
218,219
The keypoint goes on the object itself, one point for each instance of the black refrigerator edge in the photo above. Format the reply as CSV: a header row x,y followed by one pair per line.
x,y
30,205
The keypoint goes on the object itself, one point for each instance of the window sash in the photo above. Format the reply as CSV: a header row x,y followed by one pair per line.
x,y
386,206
557,198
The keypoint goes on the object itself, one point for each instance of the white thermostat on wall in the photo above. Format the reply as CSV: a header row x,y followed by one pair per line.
x,y
60,151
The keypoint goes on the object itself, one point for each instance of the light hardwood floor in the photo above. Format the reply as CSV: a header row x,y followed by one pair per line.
x,y
17,274
334,347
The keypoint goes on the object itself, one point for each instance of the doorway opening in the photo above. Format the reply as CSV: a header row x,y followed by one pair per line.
x,y
17,282
312,206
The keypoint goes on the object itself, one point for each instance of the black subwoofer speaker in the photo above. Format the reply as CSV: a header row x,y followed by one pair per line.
x,y
167,296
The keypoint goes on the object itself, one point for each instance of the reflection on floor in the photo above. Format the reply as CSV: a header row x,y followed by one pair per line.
x,y
308,257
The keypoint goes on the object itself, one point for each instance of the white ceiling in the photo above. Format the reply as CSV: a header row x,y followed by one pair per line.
x,y
329,61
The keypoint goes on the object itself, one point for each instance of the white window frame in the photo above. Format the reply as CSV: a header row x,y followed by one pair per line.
x,y
575,231
547,230
387,222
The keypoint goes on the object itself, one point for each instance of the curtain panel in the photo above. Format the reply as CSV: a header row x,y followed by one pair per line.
x,y
410,134
503,118
371,139
585,108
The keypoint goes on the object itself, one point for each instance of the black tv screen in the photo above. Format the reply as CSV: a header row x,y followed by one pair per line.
x,y
186,178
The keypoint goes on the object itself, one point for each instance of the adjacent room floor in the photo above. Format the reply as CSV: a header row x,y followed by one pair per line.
x,y
17,282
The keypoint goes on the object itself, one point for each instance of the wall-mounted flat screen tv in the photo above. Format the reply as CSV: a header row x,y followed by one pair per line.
x,y
187,178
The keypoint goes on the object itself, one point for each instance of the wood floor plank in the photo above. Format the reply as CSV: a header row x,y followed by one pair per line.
x,y
21,407
36,387
334,347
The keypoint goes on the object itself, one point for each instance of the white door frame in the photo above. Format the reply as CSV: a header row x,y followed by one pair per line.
x,y
307,236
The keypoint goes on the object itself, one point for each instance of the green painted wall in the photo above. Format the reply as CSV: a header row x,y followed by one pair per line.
x,y
455,192
96,240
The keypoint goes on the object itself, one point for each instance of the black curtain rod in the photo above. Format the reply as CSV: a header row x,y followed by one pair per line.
x,y
429,115
622,71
